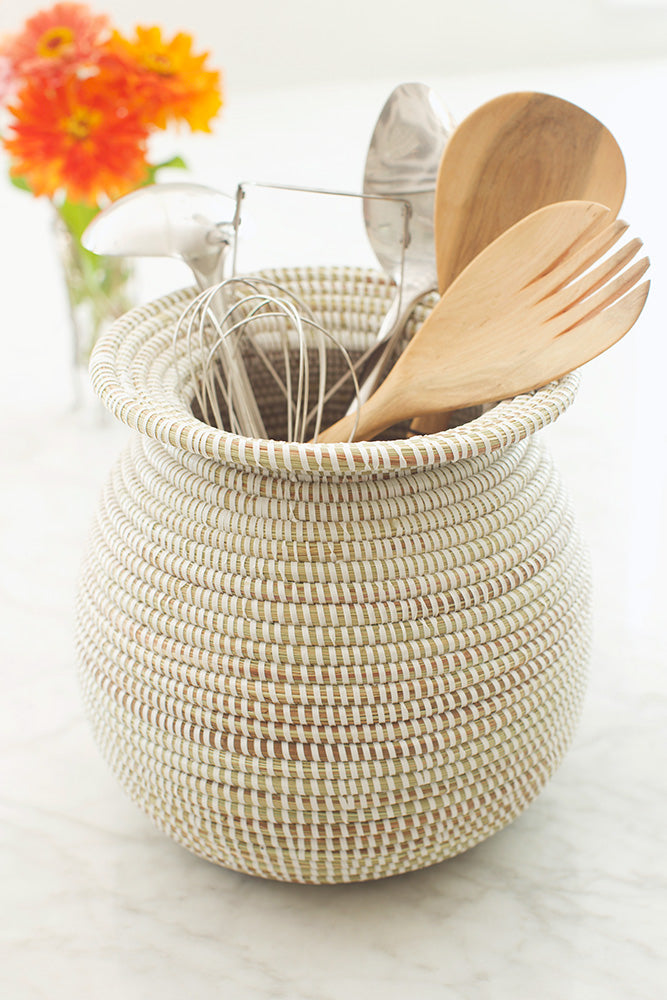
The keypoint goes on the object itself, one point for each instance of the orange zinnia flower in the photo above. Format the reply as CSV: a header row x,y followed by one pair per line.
x,y
77,138
168,79
55,40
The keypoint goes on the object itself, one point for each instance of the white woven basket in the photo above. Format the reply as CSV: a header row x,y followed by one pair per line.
x,y
327,663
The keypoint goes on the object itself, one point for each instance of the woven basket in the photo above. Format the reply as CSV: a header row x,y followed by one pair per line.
x,y
327,663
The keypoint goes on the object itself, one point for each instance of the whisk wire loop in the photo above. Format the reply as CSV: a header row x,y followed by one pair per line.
x,y
253,320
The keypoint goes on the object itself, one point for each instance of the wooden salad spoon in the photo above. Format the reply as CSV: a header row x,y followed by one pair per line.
x,y
528,309
511,156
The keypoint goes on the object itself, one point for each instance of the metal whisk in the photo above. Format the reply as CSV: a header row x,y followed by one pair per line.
x,y
251,325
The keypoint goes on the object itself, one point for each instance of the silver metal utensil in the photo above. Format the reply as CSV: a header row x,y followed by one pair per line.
x,y
271,330
191,222
402,161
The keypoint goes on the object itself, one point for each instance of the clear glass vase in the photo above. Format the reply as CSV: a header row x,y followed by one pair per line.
x,y
99,290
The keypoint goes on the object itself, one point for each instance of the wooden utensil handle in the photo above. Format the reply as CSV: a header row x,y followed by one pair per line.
x,y
432,423
380,411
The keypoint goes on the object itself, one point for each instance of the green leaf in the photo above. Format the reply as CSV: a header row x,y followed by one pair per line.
x,y
77,216
175,163
20,183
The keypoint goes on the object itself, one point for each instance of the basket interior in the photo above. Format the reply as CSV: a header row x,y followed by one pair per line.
x,y
270,396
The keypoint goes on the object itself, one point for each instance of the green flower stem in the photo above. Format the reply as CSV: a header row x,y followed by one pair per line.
x,y
98,288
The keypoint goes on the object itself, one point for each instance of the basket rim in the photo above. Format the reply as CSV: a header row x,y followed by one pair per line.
x,y
147,406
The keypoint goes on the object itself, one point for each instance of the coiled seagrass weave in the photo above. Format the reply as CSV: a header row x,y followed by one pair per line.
x,y
327,663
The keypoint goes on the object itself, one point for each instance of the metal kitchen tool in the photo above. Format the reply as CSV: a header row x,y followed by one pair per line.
x,y
263,210
188,221
402,161
392,236
272,333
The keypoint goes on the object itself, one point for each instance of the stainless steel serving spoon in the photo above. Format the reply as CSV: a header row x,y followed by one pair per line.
x,y
402,162
183,220
191,222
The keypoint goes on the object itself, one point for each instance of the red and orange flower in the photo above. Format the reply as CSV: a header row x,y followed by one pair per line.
x,y
66,36
85,100
172,84
76,138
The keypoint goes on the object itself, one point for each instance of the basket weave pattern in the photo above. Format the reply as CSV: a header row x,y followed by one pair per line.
x,y
328,663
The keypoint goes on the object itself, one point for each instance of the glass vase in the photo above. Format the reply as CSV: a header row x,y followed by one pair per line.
x,y
99,290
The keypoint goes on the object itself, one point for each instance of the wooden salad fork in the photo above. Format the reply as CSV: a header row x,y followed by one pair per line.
x,y
530,308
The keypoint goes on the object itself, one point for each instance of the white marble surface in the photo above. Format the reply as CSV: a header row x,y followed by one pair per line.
x,y
567,902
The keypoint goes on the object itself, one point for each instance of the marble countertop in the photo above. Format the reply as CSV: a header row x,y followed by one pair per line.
x,y
569,901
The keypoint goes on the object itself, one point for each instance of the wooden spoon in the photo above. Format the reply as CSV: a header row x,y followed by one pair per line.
x,y
511,156
528,309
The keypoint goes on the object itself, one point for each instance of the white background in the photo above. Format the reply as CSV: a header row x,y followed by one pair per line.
x,y
271,43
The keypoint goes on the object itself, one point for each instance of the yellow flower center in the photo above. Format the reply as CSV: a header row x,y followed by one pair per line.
x,y
159,62
81,123
54,42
